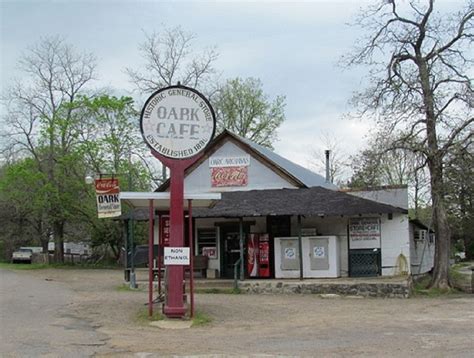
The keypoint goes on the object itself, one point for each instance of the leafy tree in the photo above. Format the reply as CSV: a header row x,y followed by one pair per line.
x,y
39,123
243,108
420,89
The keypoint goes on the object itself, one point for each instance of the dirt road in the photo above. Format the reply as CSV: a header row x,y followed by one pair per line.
x,y
296,325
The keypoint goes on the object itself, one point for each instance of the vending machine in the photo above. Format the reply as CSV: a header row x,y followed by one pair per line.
x,y
258,255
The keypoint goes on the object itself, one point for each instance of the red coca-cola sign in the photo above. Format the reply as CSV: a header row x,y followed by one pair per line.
x,y
107,186
229,176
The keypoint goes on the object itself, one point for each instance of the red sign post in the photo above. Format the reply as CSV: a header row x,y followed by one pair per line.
x,y
177,123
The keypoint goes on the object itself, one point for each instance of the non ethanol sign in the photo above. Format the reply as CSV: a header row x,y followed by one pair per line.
x,y
177,122
176,256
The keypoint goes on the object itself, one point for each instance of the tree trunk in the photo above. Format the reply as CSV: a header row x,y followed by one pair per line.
x,y
58,241
440,277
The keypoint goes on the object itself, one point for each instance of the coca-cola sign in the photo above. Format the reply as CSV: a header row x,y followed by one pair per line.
x,y
108,198
229,176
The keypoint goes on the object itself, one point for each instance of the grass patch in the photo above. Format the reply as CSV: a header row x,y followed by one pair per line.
x,y
142,316
421,289
201,319
126,288
227,291
10,266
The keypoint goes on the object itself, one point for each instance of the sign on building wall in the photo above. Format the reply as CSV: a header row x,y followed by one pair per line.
x,y
364,233
108,198
229,176
229,171
177,122
220,162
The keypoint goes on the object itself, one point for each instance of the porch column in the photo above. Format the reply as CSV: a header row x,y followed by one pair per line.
x,y
241,237
300,247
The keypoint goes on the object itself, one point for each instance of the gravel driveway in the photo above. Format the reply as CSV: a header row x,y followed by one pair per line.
x,y
275,325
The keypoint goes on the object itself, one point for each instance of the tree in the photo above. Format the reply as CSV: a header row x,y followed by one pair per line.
x,y
378,164
337,161
40,125
243,108
420,90
169,58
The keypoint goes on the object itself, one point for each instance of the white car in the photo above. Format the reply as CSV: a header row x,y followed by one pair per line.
x,y
22,255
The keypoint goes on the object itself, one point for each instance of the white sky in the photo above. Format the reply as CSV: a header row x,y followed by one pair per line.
x,y
293,47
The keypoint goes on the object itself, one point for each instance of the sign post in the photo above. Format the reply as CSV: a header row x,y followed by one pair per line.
x,y
177,123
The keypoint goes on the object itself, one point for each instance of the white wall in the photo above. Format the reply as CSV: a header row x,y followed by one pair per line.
x,y
395,241
259,175
397,197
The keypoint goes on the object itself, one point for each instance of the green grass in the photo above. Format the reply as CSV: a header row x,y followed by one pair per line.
x,y
201,319
227,291
10,266
126,288
421,289
66,265
142,316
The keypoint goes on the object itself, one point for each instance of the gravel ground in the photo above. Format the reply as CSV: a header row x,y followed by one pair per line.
x,y
274,325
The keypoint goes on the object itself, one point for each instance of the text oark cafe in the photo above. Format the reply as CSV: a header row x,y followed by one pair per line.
x,y
271,209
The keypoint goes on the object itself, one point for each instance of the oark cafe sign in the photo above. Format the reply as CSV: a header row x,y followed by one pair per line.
x,y
177,122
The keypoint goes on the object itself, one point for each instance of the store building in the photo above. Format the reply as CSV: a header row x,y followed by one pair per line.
x,y
283,221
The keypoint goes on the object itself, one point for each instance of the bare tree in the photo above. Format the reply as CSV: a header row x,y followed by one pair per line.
x,y
420,89
169,57
39,120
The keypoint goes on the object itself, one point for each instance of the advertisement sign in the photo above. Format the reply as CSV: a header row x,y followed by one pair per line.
x,y
165,230
108,198
177,122
221,162
364,233
210,252
229,176
176,256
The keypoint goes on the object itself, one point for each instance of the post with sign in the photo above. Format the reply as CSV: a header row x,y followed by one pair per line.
x,y
177,123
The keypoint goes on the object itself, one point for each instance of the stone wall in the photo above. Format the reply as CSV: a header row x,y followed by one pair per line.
x,y
375,289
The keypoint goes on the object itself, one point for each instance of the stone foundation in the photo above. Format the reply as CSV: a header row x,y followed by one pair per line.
x,y
363,289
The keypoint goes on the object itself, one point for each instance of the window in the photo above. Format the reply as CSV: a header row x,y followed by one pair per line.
x,y
207,242
420,235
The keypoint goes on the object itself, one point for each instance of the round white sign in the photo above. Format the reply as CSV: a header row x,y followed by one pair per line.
x,y
177,122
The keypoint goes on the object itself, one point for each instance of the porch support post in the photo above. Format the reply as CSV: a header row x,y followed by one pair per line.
x,y
241,237
300,247
191,255
151,230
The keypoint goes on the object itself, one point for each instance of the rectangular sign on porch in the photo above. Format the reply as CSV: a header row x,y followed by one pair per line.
x,y
176,256
364,233
165,230
108,198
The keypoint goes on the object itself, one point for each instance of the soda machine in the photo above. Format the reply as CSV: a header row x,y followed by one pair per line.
x,y
258,255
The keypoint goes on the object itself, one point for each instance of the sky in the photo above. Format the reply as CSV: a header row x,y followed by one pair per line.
x,y
293,47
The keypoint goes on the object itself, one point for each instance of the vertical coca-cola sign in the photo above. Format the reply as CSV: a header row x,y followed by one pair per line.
x,y
108,200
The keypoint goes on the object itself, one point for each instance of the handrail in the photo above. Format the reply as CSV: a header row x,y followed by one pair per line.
x,y
236,266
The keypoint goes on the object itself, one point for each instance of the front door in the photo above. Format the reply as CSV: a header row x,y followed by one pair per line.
x,y
231,252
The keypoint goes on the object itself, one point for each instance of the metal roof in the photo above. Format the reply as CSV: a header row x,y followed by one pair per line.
x,y
306,176
315,201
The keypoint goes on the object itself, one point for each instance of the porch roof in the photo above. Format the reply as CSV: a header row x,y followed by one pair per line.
x,y
315,201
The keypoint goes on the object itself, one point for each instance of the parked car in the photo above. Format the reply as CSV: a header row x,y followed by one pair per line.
x,y
22,255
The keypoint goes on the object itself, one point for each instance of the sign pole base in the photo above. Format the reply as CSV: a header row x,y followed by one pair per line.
x,y
174,303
